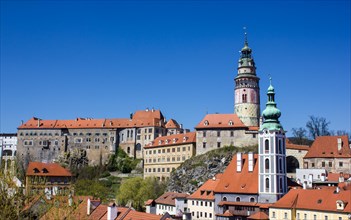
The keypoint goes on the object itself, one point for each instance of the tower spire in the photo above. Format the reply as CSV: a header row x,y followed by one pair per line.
x,y
245,34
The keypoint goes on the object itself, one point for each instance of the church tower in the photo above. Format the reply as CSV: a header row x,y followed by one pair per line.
x,y
272,180
247,90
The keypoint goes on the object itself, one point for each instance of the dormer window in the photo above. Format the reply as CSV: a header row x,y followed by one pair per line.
x,y
175,140
36,170
160,142
185,139
206,123
45,170
166,141
230,123
340,205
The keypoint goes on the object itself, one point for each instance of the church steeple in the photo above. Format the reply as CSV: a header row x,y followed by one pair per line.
x,y
271,151
247,95
271,114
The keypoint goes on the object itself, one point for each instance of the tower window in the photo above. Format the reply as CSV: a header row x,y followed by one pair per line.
x,y
266,165
267,184
266,146
244,96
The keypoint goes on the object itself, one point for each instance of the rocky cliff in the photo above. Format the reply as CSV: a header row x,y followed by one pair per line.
x,y
197,170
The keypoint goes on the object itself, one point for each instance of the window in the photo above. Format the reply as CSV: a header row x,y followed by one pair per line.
x,y
305,216
218,133
325,217
252,199
204,133
178,149
184,148
266,146
150,130
173,149
285,215
231,133
210,204
273,214
237,199
341,164
312,165
330,164
323,164
314,217
204,144
267,184
168,150
244,96
78,140
224,198
218,144
266,165
210,215
28,143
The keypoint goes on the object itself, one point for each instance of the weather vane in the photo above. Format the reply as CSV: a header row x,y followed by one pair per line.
x,y
245,33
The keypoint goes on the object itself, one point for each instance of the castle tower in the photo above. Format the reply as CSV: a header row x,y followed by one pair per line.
x,y
247,90
272,180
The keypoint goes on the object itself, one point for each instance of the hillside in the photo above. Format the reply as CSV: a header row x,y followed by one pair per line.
x,y
197,170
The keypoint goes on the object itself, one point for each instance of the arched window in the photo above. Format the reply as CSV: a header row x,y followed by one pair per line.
x,y
237,199
280,166
244,96
280,146
128,150
266,146
252,199
127,133
267,184
266,165
224,198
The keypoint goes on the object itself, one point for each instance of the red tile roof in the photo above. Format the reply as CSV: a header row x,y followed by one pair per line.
x,y
323,199
46,169
292,146
220,121
206,191
327,147
149,202
227,213
175,139
172,124
139,119
168,198
259,215
135,215
335,176
245,181
98,212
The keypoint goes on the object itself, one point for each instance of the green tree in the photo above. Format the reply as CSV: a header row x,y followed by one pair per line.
x,y
88,187
137,190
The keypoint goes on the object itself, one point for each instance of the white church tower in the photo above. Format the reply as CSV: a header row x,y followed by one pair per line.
x,y
272,181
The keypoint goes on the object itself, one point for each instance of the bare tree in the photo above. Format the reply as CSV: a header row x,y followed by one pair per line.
x,y
299,136
318,126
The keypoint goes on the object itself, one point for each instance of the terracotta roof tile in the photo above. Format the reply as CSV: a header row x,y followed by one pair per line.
x,y
327,147
172,124
46,169
323,199
227,213
175,139
245,181
135,215
98,212
168,198
206,191
292,146
149,202
220,121
259,215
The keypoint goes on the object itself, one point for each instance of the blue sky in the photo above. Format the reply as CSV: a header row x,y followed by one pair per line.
x,y
68,59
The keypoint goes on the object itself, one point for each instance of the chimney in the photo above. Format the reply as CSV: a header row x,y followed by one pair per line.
x,y
239,161
21,122
304,185
112,212
88,206
70,200
153,110
341,178
323,177
251,161
310,180
339,144
38,122
147,109
337,190
181,126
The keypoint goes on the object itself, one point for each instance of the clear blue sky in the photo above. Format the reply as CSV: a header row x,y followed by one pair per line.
x,y
68,59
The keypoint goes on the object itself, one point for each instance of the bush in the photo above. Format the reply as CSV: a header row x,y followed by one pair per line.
x,y
105,174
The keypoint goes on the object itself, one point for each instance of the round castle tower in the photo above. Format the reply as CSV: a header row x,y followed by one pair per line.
x,y
247,90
